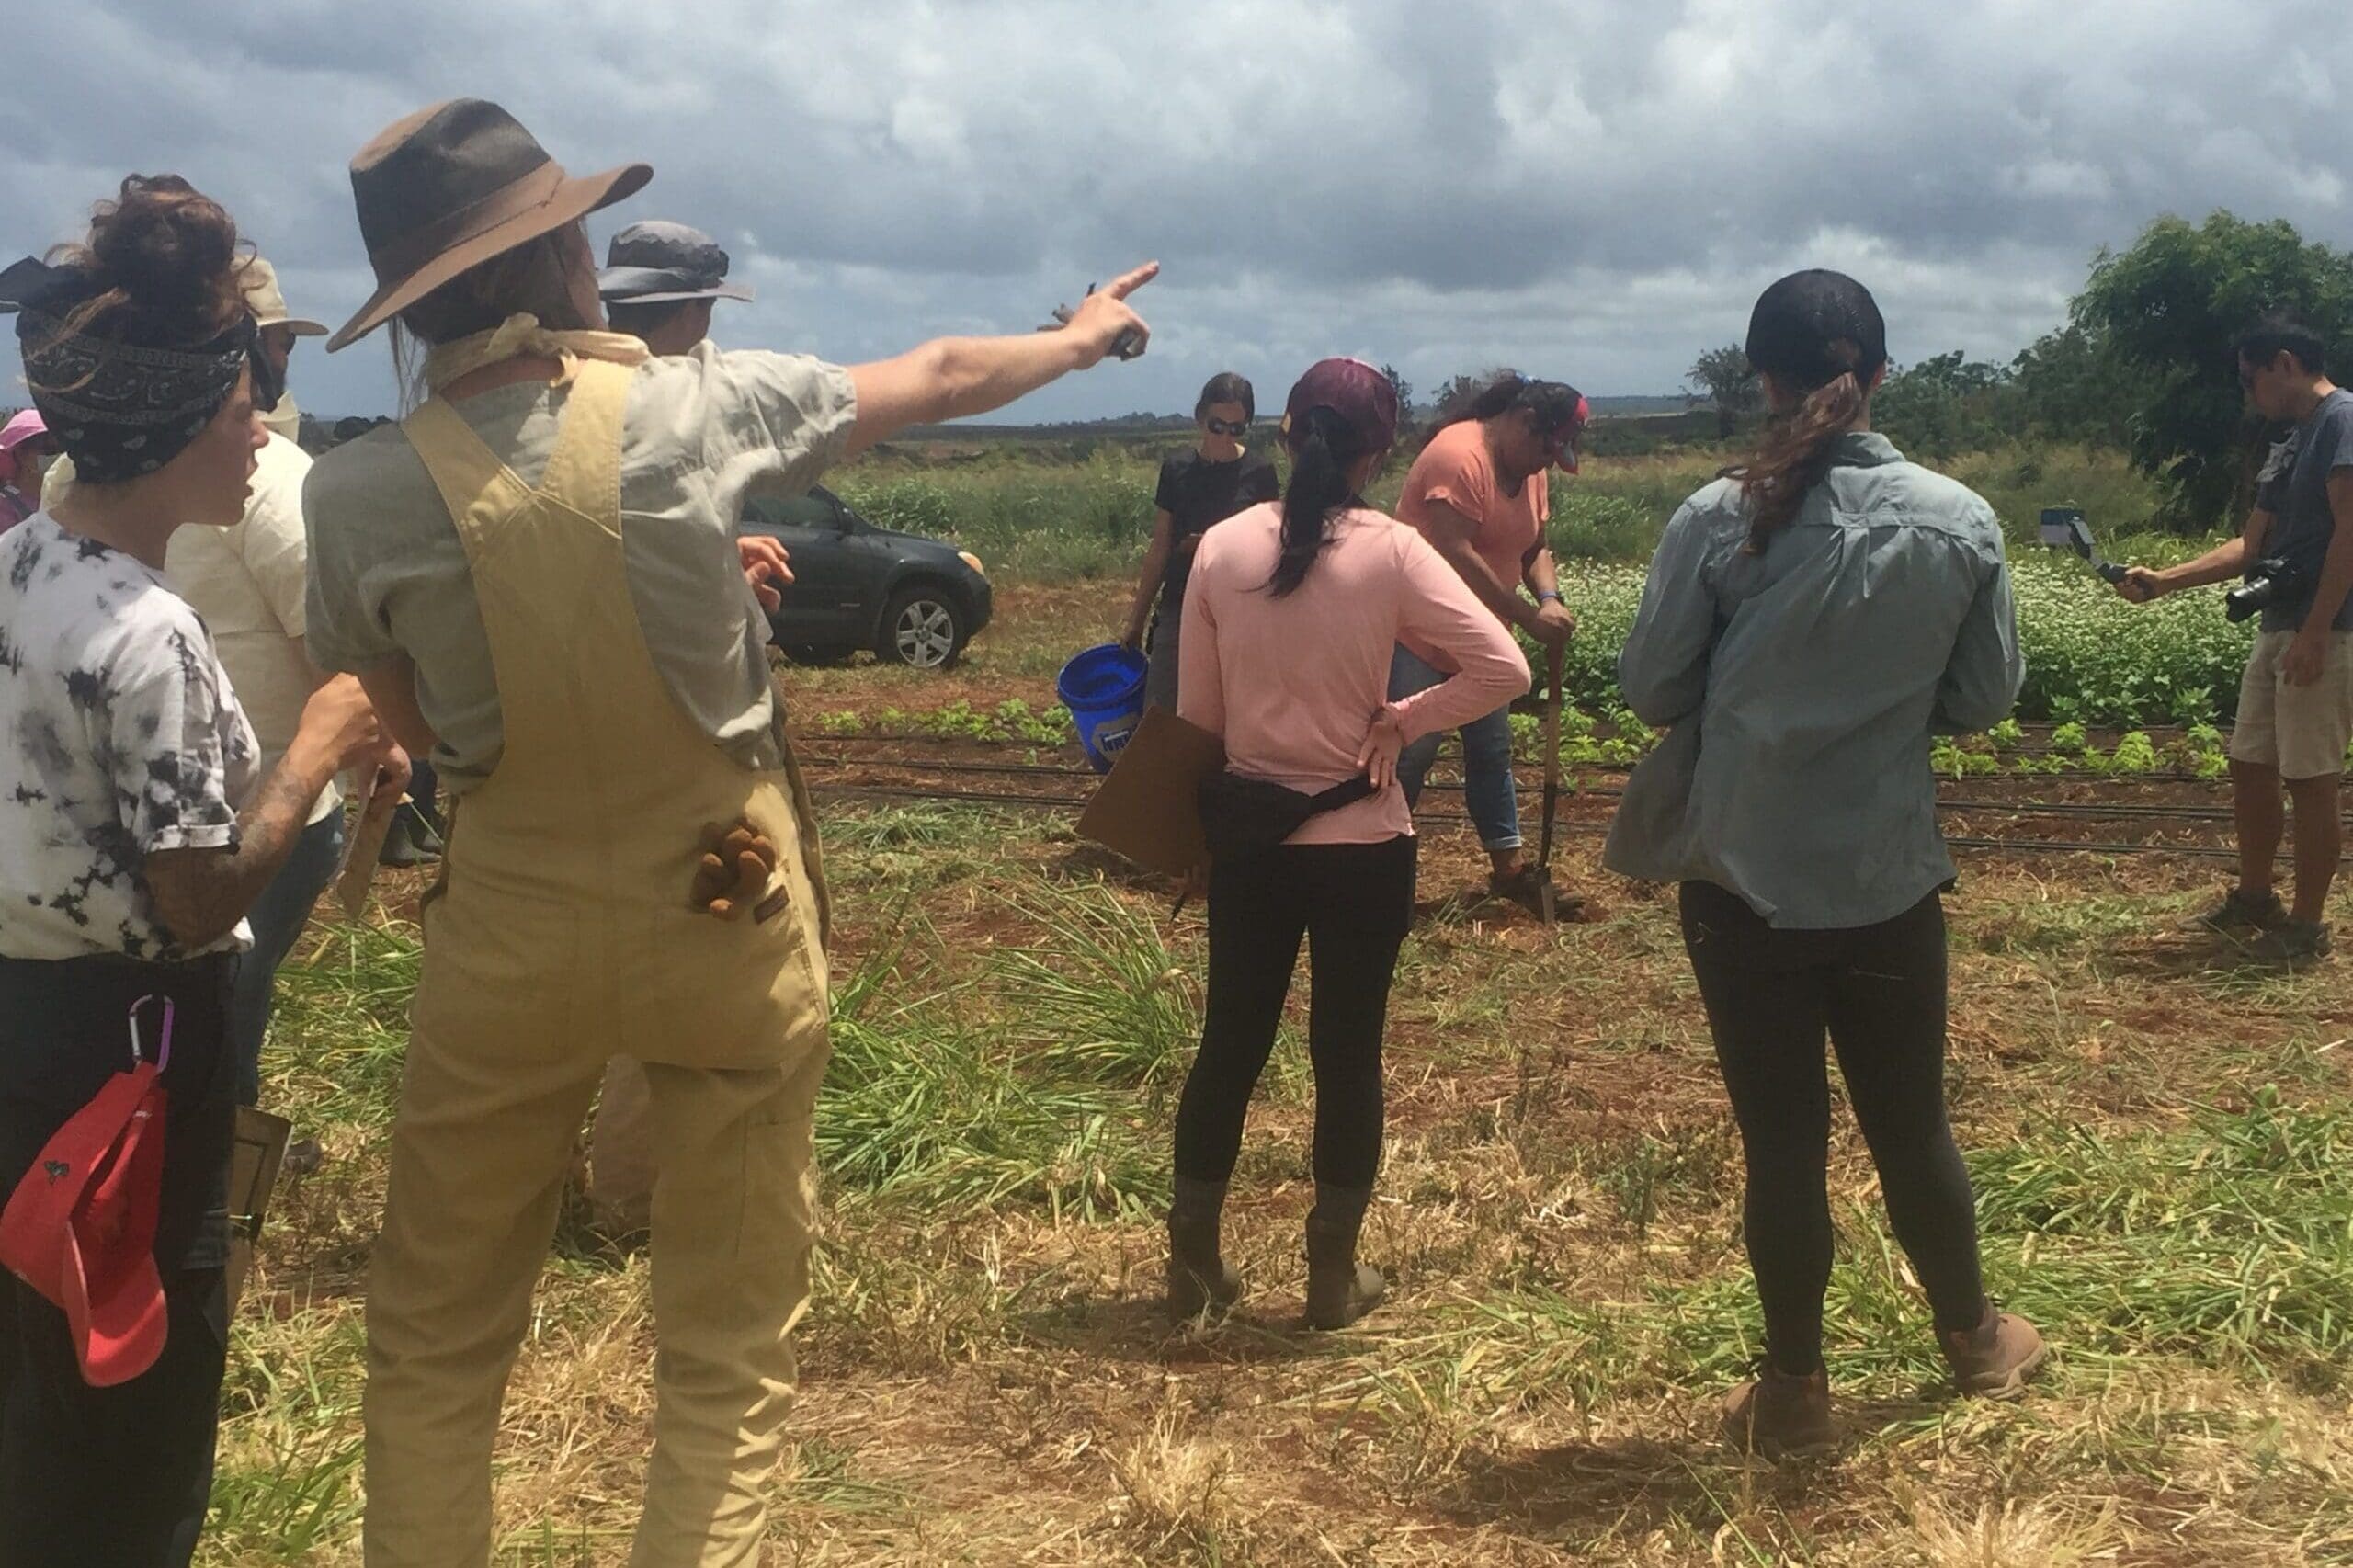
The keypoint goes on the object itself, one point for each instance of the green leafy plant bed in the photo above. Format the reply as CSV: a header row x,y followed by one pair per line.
x,y
1011,722
2091,658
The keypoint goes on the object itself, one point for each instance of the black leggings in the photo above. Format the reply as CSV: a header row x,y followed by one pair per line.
x,y
1354,903
1880,992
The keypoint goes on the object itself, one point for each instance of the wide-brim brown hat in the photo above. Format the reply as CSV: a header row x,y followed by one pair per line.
x,y
452,185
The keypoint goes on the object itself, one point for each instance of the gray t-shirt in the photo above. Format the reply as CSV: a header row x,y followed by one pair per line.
x,y
389,574
2324,444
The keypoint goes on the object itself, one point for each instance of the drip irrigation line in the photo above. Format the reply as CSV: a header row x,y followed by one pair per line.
x,y
1069,805
2160,776
2095,810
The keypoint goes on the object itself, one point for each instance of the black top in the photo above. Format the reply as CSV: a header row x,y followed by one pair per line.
x,y
2305,521
1197,494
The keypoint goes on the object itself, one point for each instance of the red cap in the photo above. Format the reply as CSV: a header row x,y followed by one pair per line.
x,y
1567,437
1363,398
80,1228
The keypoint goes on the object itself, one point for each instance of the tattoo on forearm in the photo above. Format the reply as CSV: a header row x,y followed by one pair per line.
x,y
202,893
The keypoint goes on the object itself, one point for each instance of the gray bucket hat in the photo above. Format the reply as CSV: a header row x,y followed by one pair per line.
x,y
655,263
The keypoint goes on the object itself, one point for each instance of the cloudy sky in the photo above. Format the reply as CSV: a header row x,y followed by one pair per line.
x,y
1588,189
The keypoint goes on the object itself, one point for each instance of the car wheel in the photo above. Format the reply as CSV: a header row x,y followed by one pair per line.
x,y
922,629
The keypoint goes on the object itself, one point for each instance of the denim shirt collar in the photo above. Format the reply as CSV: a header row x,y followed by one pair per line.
x,y
1865,449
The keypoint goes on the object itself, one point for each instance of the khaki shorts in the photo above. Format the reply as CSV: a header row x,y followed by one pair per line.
x,y
2300,729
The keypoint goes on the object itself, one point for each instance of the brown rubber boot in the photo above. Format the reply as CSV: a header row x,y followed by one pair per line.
x,y
1781,1416
1339,1288
1198,1277
1994,1360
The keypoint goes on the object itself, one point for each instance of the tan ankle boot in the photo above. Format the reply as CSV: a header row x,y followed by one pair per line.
x,y
1780,1416
1994,1360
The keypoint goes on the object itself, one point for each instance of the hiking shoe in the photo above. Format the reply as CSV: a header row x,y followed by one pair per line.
x,y
1994,1360
2242,913
2292,943
1781,1416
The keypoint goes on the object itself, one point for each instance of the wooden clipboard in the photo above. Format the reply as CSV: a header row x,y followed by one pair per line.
x,y
1149,808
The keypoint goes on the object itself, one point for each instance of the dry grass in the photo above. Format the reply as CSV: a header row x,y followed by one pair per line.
x,y
2160,1139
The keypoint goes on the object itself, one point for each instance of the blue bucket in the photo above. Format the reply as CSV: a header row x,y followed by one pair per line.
x,y
1103,688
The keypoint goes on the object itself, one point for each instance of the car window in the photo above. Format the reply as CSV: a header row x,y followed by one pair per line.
x,y
814,510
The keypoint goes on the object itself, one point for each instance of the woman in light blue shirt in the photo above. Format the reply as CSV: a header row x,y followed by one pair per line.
x,y
1810,621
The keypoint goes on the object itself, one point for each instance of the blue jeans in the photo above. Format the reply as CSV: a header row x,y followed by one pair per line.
x,y
1487,786
278,917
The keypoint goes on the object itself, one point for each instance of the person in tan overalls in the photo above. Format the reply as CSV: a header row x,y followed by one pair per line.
x,y
536,577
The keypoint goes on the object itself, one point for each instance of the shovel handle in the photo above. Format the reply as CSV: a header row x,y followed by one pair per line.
x,y
1553,660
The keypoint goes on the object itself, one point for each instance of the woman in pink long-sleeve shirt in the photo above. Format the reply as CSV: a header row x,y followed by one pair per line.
x,y
1290,618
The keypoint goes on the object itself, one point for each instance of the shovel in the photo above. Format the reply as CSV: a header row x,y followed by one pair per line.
x,y
1546,892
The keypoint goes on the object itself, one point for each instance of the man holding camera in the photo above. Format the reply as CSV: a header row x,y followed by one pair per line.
x,y
2296,702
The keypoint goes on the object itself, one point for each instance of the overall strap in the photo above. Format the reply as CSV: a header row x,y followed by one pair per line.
x,y
475,484
583,471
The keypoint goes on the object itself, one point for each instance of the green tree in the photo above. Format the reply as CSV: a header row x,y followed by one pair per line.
x,y
1728,380
2168,307
2072,385
1457,394
1945,404
1404,390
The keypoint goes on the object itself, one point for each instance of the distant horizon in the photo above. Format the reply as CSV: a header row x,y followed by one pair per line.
x,y
1605,405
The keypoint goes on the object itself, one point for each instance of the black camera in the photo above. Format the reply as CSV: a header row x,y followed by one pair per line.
x,y
2275,580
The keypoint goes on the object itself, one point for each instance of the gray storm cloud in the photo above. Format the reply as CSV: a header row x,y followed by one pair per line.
x,y
1595,190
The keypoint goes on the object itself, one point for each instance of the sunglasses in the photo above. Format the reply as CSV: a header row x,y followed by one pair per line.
x,y
1236,427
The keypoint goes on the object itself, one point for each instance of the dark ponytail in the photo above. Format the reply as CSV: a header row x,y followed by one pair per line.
x,y
1322,447
1819,333
1794,456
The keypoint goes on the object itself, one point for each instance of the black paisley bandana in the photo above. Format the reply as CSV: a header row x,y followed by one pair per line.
x,y
121,410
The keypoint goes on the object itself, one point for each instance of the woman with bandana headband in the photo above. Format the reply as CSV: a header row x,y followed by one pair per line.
x,y
134,834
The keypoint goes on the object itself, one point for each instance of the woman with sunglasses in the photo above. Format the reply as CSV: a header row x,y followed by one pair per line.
x,y
1199,487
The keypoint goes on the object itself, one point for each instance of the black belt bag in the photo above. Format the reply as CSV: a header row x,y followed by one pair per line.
x,y
1241,815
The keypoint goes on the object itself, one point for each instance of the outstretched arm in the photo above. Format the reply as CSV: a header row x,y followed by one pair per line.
x,y
951,377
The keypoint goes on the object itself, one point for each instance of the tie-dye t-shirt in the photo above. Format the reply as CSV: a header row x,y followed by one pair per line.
x,y
118,737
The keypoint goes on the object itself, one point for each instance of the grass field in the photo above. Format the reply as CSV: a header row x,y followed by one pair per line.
x,y
2094,658
2162,1140
2161,1143
1051,521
